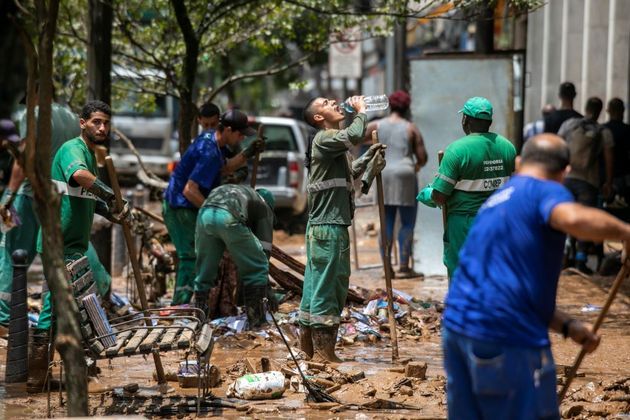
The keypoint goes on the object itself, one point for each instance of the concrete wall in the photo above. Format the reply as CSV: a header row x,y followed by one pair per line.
x,y
586,42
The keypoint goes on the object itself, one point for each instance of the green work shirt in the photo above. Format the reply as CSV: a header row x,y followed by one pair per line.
x,y
77,204
473,167
330,189
64,126
247,206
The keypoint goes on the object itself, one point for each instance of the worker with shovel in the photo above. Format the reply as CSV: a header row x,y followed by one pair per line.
x,y
502,300
331,208
239,219
74,173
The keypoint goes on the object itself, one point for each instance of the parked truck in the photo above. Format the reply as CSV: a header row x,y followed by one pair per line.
x,y
281,169
152,130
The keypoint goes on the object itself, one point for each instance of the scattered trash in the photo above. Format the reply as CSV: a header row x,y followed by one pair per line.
x,y
591,308
188,375
33,319
260,386
237,323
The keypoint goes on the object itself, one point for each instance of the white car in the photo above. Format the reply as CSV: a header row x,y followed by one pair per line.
x,y
281,169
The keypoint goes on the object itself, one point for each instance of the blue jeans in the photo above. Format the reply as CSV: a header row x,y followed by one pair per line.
x,y
405,233
487,380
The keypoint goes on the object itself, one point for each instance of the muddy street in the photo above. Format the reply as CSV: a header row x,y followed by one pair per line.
x,y
367,383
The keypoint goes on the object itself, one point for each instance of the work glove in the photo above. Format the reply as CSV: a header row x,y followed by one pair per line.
x,y
374,167
360,165
122,216
424,196
376,147
104,192
257,146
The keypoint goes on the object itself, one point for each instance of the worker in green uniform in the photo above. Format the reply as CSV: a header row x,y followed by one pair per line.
x,y
73,172
473,167
198,173
331,208
19,196
239,219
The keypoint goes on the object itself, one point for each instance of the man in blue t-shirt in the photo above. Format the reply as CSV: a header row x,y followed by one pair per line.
x,y
501,303
198,172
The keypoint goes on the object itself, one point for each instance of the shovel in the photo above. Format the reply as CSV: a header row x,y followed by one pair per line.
x,y
621,276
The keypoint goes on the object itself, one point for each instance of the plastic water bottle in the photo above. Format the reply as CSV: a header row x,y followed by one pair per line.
x,y
372,103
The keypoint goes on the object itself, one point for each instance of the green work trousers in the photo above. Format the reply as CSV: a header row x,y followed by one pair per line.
x,y
327,275
181,228
217,230
457,227
25,237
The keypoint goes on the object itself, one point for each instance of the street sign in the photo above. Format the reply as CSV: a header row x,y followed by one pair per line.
x,y
344,54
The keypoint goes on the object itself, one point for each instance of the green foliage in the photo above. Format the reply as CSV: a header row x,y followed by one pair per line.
x,y
234,37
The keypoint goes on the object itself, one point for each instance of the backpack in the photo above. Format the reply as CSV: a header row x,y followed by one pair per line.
x,y
585,145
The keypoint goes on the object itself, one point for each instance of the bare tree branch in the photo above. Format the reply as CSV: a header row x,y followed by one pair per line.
x,y
259,73
22,8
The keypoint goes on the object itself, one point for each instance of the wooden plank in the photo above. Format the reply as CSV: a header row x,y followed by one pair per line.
x,y
77,267
86,331
83,316
82,282
204,339
135,341
168,340
120,342
186,337
290,281
90,290
152,339
288,260
97,348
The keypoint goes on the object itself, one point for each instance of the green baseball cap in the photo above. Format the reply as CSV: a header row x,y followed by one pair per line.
x,y
478,107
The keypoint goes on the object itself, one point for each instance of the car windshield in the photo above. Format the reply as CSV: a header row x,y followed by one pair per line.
x,y
279,137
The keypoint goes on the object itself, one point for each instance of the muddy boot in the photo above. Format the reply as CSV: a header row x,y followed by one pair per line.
x,y
253,299
306,340
201,301
324,340
37,363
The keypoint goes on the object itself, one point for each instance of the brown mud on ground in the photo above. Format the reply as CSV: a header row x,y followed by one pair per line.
x,y
600,391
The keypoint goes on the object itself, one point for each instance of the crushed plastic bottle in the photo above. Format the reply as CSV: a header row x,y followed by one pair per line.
x,y
372,103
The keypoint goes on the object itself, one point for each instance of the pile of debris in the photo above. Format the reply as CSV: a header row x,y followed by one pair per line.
x,y
600,399
405,387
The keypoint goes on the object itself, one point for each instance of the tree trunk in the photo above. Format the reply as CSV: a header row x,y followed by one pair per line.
x,y
99,69
484,36
187,112
37,165
99,51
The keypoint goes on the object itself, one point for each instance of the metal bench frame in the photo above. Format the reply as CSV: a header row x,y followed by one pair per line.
x,y
199,343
